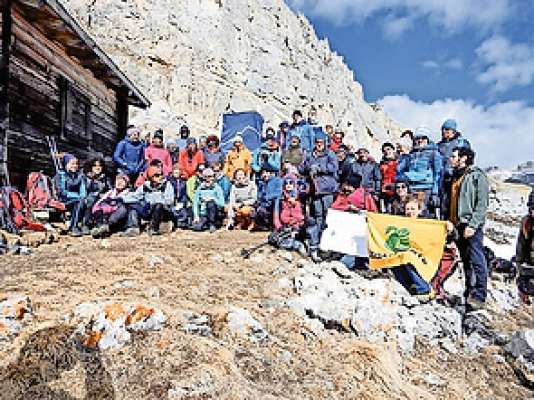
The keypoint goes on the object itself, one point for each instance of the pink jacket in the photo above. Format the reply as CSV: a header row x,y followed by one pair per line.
x,y
106,203
159,153
290,214
359,199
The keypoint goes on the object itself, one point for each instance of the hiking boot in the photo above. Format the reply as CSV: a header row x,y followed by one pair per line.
x,y
301,249
474,304
213,229
85,230
75,232
425,297
315,256
100,231
130,232
153,232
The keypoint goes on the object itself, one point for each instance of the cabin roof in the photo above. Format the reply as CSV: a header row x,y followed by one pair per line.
x,y
54,20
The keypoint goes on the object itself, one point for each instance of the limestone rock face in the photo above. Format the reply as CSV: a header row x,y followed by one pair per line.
x,y
197,58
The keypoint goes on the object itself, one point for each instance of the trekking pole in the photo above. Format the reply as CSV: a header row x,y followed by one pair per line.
x,y
246,253
52,147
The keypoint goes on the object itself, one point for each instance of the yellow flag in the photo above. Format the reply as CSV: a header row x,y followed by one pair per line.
x,y
395,241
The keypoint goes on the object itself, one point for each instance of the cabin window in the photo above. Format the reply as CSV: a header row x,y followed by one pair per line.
x,y
75,110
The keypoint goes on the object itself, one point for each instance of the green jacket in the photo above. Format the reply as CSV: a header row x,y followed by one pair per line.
x,y
473,199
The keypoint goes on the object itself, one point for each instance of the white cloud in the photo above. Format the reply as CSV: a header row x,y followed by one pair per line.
x,y
398,16
504,64
430,64
438,66
500,134
454,63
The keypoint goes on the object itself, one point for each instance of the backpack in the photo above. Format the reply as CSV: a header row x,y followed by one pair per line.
x,y
41,192
15,212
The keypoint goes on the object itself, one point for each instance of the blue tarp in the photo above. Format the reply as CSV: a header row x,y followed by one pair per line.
x,y
249,124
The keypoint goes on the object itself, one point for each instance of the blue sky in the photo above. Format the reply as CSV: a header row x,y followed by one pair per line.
x,y
427,60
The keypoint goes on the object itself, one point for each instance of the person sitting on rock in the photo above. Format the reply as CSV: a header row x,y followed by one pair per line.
x,y
152,202
239,157
401,196
269,190
97,184
525,255
72,192
213,153
243,195
110,212
407,275
222,180
190,158
157,151
208,204
291,225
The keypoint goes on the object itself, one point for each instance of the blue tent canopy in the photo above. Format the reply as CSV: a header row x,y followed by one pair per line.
x,y
249,124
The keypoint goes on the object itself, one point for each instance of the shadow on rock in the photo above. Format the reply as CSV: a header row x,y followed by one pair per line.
x,y
46,355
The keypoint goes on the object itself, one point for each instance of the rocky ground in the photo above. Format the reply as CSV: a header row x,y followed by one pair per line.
x,y
272,326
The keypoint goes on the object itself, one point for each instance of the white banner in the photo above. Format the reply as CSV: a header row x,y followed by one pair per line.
x,y
346,233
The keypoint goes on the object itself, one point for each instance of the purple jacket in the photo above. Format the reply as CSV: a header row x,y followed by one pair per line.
x,y
321,168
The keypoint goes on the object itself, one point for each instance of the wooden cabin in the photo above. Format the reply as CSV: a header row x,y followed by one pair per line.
x,y
56,81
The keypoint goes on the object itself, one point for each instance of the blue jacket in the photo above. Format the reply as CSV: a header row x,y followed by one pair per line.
x,y
422,169
370,173
305,132
204,194
269,191
322,170
263,156
446,148
226,185
129,156
71,186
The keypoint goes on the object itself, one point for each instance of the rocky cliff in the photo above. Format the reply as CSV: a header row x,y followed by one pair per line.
x,y
197,58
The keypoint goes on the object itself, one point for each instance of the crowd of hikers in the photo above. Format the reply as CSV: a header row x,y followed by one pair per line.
x,y
287,185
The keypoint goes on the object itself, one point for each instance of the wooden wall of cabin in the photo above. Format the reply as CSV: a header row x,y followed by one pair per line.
x,y
51,93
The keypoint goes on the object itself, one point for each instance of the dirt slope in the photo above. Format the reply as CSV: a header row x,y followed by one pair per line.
x,y
203,273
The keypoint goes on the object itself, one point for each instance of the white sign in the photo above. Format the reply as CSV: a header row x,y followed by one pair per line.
x,y
346,233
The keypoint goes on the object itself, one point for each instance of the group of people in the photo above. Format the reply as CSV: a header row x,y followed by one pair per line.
x,y
286,186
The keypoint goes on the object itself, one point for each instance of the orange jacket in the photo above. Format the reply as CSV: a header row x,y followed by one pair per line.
x,y
237,159
188,163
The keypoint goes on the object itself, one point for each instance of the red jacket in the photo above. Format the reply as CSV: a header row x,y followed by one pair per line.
x,y
159,153
188,164
359,199
388,169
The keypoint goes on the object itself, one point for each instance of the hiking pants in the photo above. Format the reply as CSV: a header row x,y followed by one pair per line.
x,y
410,279
319,208
153,213
76,208
475,265
90,201
263,215
312,233
115,220
447,266
211,218
183,217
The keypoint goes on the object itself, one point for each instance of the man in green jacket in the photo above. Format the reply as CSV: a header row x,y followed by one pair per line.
x,y
469,202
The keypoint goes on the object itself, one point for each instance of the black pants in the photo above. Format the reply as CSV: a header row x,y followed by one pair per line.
x,y
153,213
211,218
116,220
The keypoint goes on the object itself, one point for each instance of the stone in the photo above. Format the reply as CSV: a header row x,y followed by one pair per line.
x,y
474,343
153,291
241,322
217,258
286,255
432,379
521,346
124,284
198,325
155,261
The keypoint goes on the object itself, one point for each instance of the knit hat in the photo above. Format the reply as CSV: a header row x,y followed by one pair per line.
x,y
422,132
320,135
269,136
295,135
171,142
449,124
131,130
238,138
207,173
213,139
530,202
269,168
67,158
158,134
342,148
191,140
283,125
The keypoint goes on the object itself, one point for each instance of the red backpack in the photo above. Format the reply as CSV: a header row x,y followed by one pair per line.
x,y
15,212
41,192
